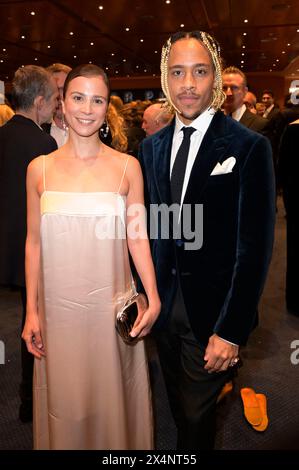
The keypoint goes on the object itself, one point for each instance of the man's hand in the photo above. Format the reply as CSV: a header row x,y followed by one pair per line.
x,y
220,355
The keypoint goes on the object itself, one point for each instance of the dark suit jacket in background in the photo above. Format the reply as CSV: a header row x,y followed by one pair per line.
x,y
21,140
274,111
223,280
253,121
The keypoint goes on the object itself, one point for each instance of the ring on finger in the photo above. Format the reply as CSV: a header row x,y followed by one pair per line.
x,y
233,362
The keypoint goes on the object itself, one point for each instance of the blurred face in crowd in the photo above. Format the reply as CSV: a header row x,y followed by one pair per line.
x,y
151,122
260,108
190,78
235,91
60,79
85,104
46,107
250,102
267,99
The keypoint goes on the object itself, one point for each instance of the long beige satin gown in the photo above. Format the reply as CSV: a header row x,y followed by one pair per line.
x,y
91,391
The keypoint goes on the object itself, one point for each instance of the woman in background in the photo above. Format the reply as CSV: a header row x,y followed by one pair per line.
x,y
6,113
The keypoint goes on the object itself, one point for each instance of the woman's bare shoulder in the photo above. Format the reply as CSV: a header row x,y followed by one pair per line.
x,y
120,157
35,167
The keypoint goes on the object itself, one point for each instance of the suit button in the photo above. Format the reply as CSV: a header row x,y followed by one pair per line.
x,y
173,271
179,243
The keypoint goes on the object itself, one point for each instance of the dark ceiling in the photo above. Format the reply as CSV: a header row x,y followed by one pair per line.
x,y
125,36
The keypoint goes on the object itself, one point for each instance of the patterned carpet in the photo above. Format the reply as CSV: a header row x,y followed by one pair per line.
x,y
267,368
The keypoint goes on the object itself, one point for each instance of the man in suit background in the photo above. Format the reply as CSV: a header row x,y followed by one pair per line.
x,y
58,127
271,108
155,117
235,89
22,139
207,165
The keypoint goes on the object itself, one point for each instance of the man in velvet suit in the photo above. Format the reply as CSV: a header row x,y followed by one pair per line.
x,y
210,288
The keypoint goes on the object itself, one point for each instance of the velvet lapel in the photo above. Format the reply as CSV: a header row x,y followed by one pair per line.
x,y
211,151
162,152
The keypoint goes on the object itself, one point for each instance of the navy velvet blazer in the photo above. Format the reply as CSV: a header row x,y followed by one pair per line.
x,y
223,280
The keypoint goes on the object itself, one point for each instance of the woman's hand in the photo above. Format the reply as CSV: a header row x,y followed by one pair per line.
x,y
145,320
32,336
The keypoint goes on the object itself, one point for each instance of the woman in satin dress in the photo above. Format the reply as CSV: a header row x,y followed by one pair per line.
x,y
91,390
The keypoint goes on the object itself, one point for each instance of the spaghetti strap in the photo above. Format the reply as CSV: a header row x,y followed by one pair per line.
x,y
122,178
44,172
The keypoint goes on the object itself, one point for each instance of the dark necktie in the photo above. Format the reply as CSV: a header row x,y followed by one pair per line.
x,y
179,166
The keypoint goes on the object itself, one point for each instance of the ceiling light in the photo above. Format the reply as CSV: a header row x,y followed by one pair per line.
x,y
243,47
167,1
156,52
141,40
112,53
101,7
71,33
277,60
22,37
127,29
92,44
145,70
4,50
1,61
107,68
137,66
124,60
274,65
35,58
75,57
116,71
245,21
90,62
243,53
288,44
49,47
182,25
244,34
297,30
283,52
32,13
242,61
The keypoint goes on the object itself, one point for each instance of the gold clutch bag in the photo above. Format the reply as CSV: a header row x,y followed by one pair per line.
x,y
126,317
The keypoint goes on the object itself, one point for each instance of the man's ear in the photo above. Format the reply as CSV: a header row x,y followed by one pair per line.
x,y
39,102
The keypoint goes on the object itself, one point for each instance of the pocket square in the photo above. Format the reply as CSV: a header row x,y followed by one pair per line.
x,y
224,167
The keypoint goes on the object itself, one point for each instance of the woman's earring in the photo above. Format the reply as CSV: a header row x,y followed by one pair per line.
x,y
64,126
104,129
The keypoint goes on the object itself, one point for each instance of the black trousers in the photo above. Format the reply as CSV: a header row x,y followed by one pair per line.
x,y
27,360
292,297
192,391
